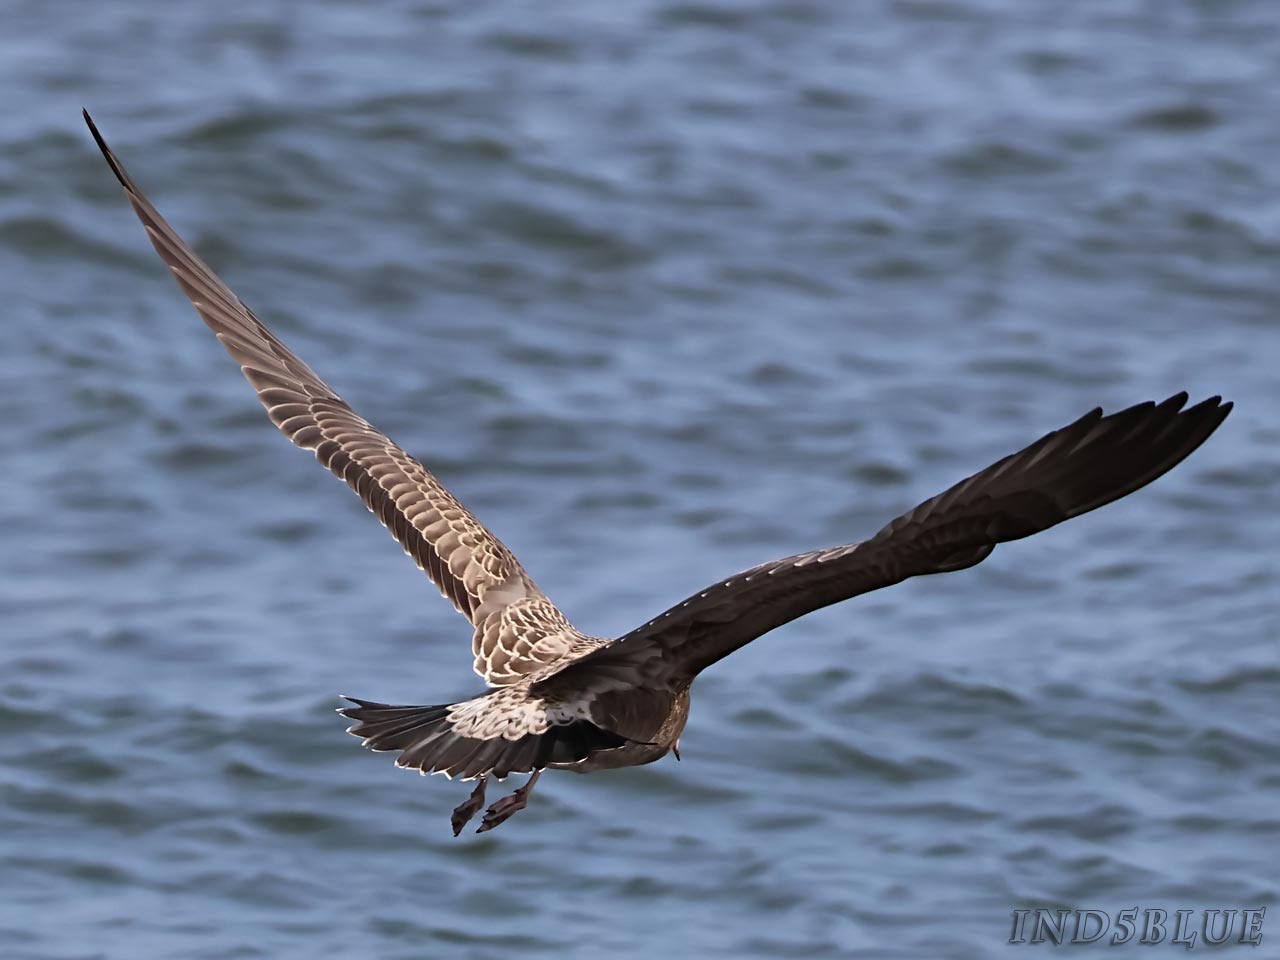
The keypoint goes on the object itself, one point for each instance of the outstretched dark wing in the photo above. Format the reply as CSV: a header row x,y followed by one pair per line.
x,y
1066,473
469,564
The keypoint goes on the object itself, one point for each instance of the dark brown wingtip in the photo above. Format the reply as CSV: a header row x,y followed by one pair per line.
x,y
1216,401
112,162
1212,408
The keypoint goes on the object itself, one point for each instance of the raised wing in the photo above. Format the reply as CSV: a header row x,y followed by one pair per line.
x,y
518,630
1066,473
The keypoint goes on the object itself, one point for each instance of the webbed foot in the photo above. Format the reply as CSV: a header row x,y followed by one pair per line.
x,y
508,805
464,811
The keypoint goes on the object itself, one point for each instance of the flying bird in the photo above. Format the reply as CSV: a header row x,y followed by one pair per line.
x,y
559,699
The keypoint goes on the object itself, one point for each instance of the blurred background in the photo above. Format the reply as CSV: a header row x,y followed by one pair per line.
x,y
661,290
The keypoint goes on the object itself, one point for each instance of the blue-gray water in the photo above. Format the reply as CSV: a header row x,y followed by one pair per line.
x,y
661,290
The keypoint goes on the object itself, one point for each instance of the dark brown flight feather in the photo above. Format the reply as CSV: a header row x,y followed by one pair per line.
x,y
1065,473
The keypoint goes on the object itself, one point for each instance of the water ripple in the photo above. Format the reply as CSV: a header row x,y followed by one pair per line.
x,y
661,291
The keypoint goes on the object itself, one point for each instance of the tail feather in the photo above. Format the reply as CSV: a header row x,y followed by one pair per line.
x,y
385,727
428,743
483,760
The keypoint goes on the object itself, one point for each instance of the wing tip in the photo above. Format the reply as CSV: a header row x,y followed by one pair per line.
x,y
1210,412
1214,402
116,167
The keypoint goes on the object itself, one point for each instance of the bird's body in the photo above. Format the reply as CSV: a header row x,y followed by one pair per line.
x,y
560,699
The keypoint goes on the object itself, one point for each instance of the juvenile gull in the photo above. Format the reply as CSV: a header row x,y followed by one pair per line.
x,y
560,699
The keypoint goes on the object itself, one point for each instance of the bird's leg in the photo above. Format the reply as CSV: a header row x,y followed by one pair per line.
x,y
508,805
469,807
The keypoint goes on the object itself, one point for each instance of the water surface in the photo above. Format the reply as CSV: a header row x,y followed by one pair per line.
x,y
661,291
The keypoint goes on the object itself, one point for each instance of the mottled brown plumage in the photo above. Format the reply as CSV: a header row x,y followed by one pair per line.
x,y
519,633
561,699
